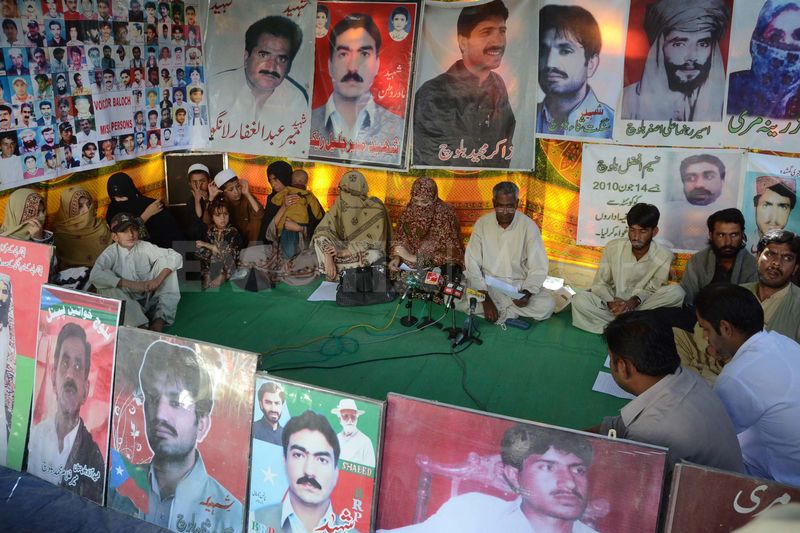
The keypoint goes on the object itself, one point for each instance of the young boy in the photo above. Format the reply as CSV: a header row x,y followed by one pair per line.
x,y
139,273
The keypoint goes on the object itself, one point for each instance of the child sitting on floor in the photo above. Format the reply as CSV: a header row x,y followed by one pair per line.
x,y
140,273
219,249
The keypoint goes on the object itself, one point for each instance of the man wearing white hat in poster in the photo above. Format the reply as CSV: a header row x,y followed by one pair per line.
x,y
355,446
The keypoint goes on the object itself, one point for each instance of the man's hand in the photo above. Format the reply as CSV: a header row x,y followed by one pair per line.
x,y
522,302
136,286
151,210
619,306
213,191
490,310
197,192
245,187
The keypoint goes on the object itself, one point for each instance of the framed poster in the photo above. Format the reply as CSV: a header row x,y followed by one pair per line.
x,y
315,456
72,390
179,191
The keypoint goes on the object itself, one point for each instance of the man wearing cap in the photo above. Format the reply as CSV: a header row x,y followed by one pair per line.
x,y
190,216
774,200
355,446
140,273
246,212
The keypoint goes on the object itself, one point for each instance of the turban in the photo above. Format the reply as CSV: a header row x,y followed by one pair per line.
x,y
699,15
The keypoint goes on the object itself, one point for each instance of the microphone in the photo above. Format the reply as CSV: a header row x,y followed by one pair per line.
x,y
473,303
478,295
412,282
433,281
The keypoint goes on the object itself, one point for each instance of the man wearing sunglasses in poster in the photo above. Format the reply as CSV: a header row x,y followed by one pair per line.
x,y
311,456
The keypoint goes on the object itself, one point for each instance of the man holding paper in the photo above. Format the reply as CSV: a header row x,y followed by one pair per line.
x,y
506,261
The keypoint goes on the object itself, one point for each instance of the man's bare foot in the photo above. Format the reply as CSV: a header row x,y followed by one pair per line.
x,y
330,268
157,325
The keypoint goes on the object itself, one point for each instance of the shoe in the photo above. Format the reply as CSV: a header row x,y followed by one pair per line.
x,y
518,323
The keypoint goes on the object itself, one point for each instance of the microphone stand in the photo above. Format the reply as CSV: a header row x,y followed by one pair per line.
x,y
409,320
452,331
427,321
467,333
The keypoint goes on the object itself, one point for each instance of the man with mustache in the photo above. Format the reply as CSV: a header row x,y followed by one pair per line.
x,y
468,106
270,95
569,54
178,400
270,400
632,275
351,113
778,252
684,75
547,468
774,200
311,457
61,450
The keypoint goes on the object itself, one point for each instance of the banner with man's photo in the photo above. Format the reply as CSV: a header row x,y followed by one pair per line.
x,y
704,499
676,59
687,185
362,81
475,86
316,450
763,103
24,267
181,408
85,85
262,58
451,469
769,196
580,65
72,390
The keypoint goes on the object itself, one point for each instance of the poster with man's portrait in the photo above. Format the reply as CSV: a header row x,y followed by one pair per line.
x,y
686,185
24,267
704,499
261,60
763,102
676,59
181,408
475,85
452,469
580,67
769,196
315,458
68,444
362,82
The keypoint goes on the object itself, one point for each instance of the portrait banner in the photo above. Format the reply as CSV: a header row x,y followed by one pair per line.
x,y
707,500
763,104
686,185
364,59
86,83
24,267
261,56
71,421
475,86
452,469
581,56
769,196
316,450
182,408
676,59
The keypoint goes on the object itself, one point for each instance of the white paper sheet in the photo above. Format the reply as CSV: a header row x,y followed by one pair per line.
x,y
502,286
607,364
606,384
326,292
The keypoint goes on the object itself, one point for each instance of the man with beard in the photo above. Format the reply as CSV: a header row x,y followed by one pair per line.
x,y
61,450
547,468
311,457
779,298
468,106
49,138
270,399
774,200
632,275
351,113
684,76
757,384
178,400
270,94
770,87
355,446
569,54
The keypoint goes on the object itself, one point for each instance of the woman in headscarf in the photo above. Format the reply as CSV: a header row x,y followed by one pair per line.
x,y
24,218
162,229
355,231
79,235
427,234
